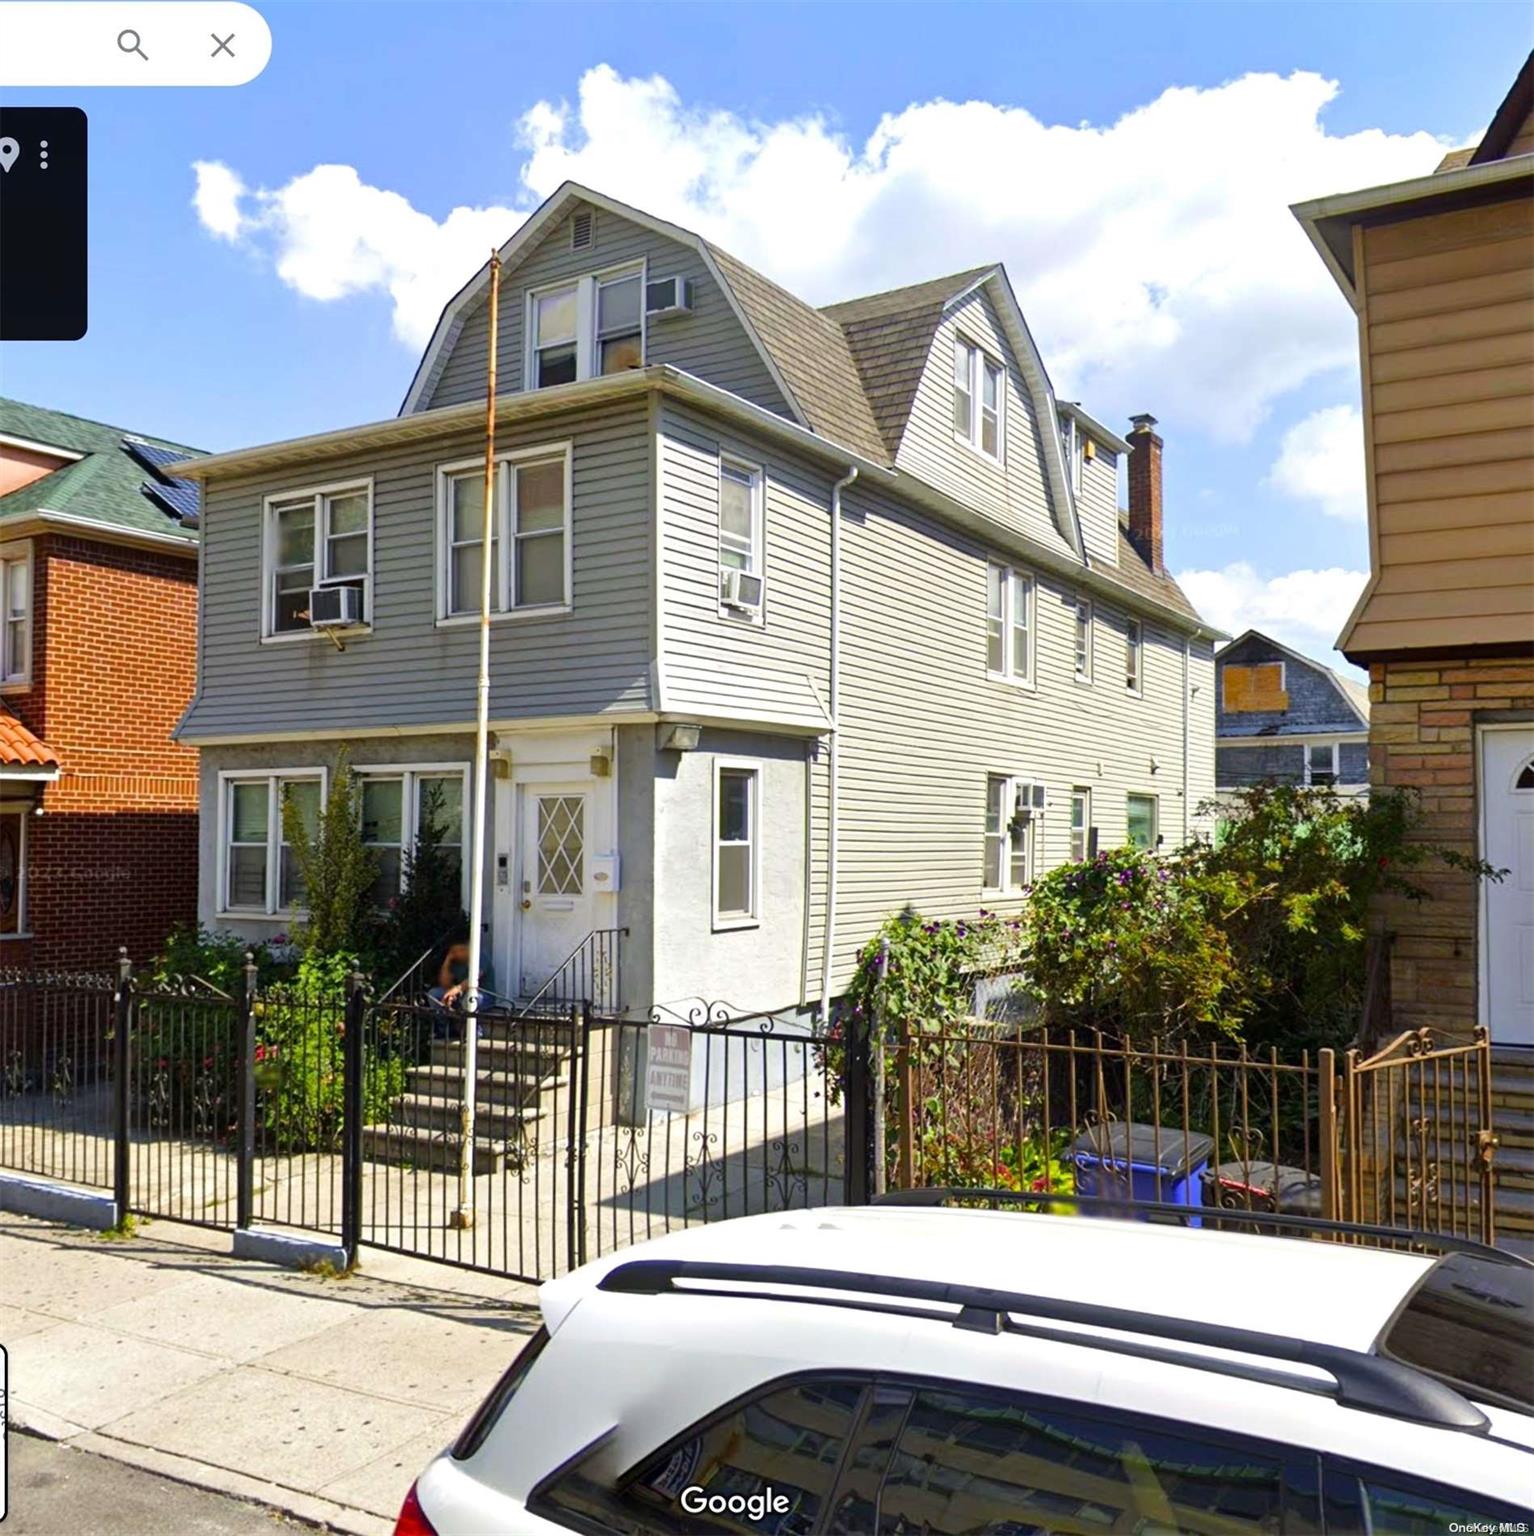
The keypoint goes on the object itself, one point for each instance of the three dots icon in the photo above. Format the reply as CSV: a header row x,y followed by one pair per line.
x,y
10,152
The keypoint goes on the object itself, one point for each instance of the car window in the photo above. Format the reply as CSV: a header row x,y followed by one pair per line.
x,y
484,1420
980,1464
856,1508
1387,1504
767,1464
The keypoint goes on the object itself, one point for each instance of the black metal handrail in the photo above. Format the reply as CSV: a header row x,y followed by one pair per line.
x,y
589,976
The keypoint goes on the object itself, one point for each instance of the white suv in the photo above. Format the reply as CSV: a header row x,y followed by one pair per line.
x,y
899,1372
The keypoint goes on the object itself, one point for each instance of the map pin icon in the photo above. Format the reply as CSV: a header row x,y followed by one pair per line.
x,y
9,149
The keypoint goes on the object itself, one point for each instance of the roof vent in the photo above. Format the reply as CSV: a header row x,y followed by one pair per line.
x,y
582,230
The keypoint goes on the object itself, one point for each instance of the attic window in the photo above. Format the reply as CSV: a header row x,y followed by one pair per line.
x,y
1254,689
977,398
582,230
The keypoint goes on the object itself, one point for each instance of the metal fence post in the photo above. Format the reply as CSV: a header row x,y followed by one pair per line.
x,y
122,1066
905,1168
858,1091
245,1146
353,1066
1331,1186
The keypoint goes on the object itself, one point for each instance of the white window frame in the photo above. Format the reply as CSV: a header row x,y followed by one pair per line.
x,y
24,812
16,674
1009,887
1335,748
1071,442
273,778
978,362
1015,584
504,584
1134,656
1080,795
758,551
1081,626
587,354
1155,805
725,921
322,495
410,776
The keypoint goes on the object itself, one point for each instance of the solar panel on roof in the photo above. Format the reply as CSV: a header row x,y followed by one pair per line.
x,y
153,457
177,497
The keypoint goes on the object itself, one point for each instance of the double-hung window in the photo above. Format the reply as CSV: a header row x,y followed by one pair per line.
x,y
1008,863
737,843
1141,817
978,389
16,595
586,328
1081,824
530,534
319,538
1009,623
260,874
742,497
1321,762
400,806
1134,655
1073,445
1082,624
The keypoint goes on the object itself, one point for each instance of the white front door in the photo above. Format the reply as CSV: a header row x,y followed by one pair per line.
x,y
554,878
1507,842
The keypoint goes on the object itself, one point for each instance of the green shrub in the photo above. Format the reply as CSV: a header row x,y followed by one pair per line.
x,y
429,908
215,956
335,867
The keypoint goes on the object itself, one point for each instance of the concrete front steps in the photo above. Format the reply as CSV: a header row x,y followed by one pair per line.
x,y
521,1079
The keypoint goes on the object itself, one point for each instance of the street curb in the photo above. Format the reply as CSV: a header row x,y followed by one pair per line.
x,y
57,1202
284,1248
201,1474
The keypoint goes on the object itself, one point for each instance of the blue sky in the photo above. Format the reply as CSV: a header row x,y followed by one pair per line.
x,y
1153,257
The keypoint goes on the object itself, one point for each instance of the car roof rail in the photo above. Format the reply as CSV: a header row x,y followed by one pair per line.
x,y
932,1196
1363,1380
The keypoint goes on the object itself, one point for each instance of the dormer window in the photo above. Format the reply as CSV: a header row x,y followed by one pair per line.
x,y
587,328
1074,445
977,398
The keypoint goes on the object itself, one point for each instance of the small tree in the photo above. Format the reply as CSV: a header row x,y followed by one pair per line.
x,y
430,905
336,867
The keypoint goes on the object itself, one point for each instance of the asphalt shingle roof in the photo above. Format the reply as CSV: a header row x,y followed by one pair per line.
x,y
1135,572
110,484
890,335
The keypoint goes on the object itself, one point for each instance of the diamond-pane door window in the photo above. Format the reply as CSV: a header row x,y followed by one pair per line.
x,y
561,845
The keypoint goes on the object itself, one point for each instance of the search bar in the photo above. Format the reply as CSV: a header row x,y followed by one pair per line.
x,y
164,42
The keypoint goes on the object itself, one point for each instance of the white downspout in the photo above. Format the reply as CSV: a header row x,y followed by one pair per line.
x,y
828,941
1187,810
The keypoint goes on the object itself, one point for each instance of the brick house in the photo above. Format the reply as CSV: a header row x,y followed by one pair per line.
x,y
1284,718
98,805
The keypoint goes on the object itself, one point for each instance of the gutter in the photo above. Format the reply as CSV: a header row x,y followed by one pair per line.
x,y
828,939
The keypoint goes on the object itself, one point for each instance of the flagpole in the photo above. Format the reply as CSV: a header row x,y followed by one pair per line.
x,y
463,1215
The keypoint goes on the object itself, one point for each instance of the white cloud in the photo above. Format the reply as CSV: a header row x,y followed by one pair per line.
x,y
1155,257
1321,459
1304,609
330,234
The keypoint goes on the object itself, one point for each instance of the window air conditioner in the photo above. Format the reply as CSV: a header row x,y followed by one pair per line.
x,y
1029,802
335,607
667,296
740,589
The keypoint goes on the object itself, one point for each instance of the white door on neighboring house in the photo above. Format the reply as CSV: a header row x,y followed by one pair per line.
x,y
554,879
1507,842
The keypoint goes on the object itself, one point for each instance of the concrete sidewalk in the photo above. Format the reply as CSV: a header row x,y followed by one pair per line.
x,y
323,1398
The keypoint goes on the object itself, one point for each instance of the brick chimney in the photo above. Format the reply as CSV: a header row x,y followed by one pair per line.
x,y
1145,490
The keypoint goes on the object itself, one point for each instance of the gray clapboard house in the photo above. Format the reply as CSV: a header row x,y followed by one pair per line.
x,y
1284,718
802,615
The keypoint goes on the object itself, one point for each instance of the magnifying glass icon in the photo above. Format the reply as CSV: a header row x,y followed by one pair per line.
x,y
128,40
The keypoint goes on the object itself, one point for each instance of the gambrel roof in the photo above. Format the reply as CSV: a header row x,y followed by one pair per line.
x,y
890,335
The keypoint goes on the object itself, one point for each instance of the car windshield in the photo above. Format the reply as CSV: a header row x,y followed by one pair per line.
x,y
1470,1322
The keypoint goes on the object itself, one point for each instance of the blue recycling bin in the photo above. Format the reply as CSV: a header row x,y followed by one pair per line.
x,y
1125,1161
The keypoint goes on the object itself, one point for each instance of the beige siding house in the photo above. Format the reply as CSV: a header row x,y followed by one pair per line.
x,y
801,616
